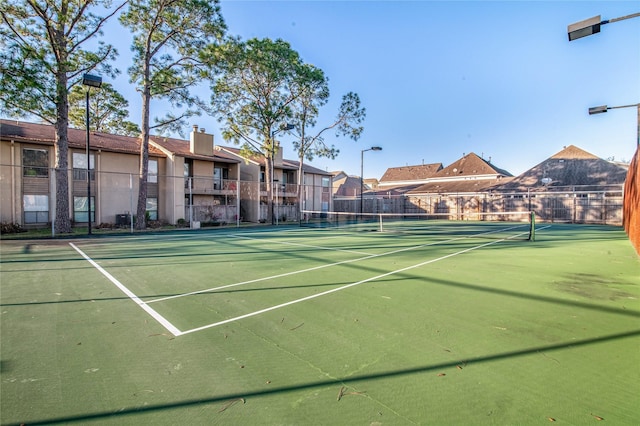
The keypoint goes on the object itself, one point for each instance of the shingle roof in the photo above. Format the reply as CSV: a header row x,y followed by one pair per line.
x,y
570,167
470,165
458,186
305,167
286,164
45,134
347,186
182,148
408,173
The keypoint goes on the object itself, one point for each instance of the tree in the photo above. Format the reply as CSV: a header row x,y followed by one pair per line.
x,y
108,111
253,97
313,93
173,41
42,56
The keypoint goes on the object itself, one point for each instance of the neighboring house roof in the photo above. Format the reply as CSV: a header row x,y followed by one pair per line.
x,y
458,186
466,175
409,174
346,186
45,134
470,165
570,167
182,148
338,174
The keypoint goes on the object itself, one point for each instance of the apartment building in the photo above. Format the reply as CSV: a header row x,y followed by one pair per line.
x,y
188,180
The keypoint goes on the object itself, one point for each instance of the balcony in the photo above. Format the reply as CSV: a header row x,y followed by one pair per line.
x,y
209,186
284,190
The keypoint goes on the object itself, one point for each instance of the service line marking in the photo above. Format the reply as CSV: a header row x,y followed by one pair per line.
x,y
303,245
162,320
301,271
344,287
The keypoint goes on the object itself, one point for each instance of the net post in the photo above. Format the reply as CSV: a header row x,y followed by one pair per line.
x,y
532,226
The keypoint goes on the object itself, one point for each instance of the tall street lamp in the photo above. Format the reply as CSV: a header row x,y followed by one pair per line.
x,y
373,148
630,210
283,127
89,81
604,108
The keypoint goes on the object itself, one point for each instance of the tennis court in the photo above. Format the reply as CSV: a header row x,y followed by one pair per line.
x,y
436,324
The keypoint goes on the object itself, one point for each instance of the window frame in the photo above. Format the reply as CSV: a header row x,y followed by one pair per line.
x,y
32,169
35,209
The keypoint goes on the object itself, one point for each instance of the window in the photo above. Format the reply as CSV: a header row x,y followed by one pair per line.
x,y
80,209
325,193
152,208
287,178
80,166
152,176
325,184
188,172
220,174
36,208
35,163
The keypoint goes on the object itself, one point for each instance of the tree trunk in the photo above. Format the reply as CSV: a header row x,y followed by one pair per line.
x,y
300,185
269,169
141,220
62,219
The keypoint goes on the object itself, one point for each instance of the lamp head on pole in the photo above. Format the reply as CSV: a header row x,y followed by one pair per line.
x,y
584,28
373,148
91,80
598,109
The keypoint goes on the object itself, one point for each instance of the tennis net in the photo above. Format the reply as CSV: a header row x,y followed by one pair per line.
x,y
508,225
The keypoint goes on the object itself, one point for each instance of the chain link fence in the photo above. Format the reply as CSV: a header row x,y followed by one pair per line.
x,y
575,205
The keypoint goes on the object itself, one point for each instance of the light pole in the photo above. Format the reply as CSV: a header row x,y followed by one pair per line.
x,y
604,108
283,127
630,210
89,81
373,148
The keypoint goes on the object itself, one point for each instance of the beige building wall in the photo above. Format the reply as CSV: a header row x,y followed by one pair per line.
x,y
172,204
9,182
250,191
117,185
12,181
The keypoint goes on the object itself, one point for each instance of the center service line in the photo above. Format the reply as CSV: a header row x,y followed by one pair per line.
x,y
324,293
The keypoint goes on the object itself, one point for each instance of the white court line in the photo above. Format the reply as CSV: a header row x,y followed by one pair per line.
x,y
162,320
286,274
344,287
303,245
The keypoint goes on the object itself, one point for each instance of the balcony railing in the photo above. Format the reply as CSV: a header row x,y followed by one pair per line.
x,y
210,186
289,189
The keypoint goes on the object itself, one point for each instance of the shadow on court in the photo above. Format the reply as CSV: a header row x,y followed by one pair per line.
x,y
341,381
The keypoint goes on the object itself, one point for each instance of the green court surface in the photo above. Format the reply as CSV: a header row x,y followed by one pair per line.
x,y
296,326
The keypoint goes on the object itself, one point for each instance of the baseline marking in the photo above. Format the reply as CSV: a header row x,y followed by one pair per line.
x,y
162,320
344,287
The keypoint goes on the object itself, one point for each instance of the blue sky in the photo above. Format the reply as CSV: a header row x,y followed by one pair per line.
x,y
444,78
